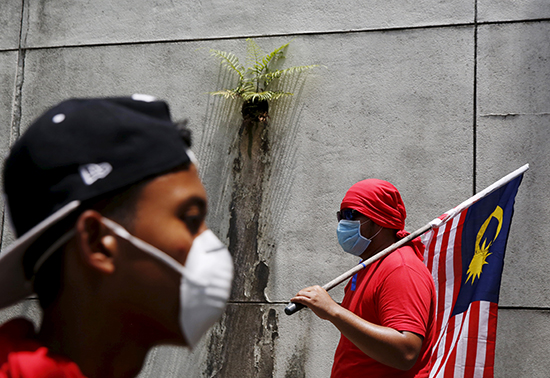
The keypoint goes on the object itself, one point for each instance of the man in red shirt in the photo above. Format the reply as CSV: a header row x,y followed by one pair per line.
x,y
388,312
109,211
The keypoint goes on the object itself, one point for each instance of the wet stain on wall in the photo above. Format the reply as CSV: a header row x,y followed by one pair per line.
x,y
251,273
242,344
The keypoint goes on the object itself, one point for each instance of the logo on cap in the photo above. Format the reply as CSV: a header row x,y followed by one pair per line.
x,y
90,173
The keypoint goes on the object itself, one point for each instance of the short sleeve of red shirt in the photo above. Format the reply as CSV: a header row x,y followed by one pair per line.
x,y
396,292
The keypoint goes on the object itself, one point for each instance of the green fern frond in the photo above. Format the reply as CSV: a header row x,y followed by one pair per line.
x,y
264,96
270,76
230,61
279,94
277,53
296,69
253,52
246,86
227,93
263,65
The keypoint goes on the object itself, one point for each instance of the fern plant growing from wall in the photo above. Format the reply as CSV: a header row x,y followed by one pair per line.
x,y
258,83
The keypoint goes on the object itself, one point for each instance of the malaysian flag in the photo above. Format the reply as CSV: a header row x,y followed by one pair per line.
x,y
466,255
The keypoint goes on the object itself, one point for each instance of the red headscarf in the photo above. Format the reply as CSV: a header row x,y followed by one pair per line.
x,y
380,201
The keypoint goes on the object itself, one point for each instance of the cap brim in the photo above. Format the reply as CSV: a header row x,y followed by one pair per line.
x,y
14,285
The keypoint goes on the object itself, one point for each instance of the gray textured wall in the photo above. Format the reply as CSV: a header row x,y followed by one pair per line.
x,y
439,97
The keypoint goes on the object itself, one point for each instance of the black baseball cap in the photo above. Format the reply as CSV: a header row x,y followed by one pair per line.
x,y
79,150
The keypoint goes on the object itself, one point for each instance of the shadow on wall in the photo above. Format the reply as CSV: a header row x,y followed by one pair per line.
x,y
256,189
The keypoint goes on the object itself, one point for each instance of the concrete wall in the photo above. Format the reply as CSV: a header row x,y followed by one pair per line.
x,y
439,97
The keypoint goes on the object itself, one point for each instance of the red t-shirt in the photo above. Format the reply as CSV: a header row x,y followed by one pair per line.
x,y
21,356
397,292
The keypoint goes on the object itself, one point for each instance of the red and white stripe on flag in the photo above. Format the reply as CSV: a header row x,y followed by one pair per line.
x,y
465,343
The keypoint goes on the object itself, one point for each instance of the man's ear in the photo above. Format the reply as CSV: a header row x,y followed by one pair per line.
x,y
96,244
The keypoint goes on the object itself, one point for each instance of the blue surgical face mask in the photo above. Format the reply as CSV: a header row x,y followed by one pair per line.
x,y
350,238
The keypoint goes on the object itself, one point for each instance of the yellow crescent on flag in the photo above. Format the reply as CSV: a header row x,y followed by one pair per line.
x,y
482,250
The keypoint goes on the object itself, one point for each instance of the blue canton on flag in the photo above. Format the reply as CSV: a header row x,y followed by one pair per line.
x,y
484,237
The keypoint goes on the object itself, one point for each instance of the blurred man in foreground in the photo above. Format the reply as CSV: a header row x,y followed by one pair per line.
x,y
109,212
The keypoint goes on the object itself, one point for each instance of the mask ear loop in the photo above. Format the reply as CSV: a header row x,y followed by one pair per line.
x,y
372,237
144,246
54,247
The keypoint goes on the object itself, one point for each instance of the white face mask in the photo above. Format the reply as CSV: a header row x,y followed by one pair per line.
x,y
205,279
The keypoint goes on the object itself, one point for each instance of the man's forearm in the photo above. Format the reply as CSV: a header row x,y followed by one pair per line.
x,y
386,345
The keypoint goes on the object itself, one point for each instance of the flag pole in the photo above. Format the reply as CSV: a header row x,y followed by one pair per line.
x,y
292,307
